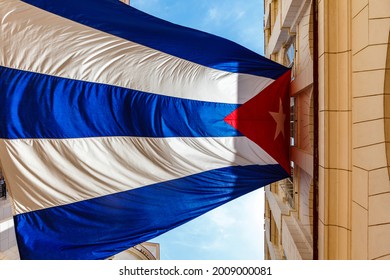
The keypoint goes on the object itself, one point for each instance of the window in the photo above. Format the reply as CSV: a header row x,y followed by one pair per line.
x,y
289,56
288,189
293,121
3,190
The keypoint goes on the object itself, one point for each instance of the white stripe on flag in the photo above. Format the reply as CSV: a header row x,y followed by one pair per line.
x,y
41,45
52,172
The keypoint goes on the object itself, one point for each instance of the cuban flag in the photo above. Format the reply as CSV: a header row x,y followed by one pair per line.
x,y
116,126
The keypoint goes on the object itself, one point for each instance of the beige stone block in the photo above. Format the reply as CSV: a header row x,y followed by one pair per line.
x,y
344,25
388,156
368,133
368,83
322,194
337,26
322,83
379,31
360,31
338,243
338,84
322,132
387,76
359,234
303,159
357,6
367,108
302,81
322,241
378,181
304,29
387,131
370,157
334,197
387,65
371,58
379,209
360,186
321,27
338,196
275,209
387,257
386,106
378,241
379,8
338,140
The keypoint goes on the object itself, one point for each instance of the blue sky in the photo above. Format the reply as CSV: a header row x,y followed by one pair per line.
x,y
235,230
237,20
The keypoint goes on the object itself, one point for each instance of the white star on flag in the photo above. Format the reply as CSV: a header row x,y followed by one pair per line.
x,y
279,118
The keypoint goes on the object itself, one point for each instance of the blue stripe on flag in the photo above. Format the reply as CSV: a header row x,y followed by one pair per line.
x,y
91,229
42,106
193,45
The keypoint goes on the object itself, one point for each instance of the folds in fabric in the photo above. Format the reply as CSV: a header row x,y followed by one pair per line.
x,y
117,126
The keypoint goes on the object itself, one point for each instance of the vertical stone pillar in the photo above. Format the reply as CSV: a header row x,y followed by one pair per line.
x,y
335,123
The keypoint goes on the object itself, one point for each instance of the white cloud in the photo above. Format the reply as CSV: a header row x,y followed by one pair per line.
x,y
232,231
222,217
223,14
213,14
240,14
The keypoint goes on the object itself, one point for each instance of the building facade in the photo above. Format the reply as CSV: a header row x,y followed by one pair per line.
x,y
337,203
143,251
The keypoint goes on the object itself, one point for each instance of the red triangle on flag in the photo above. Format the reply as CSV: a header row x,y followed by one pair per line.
x,y
264,119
